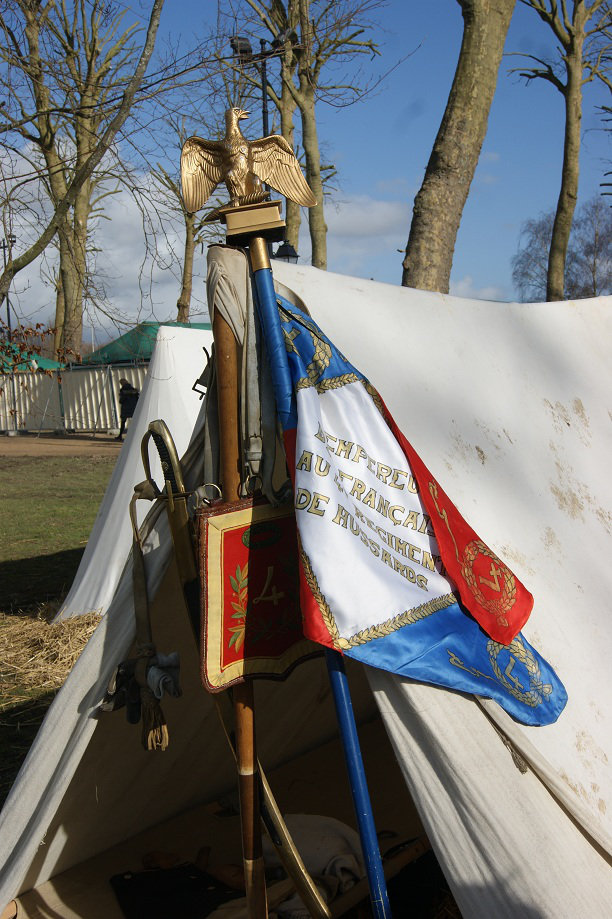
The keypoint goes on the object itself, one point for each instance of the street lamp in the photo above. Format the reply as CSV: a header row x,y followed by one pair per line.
x,y
8,243
241,47
243,52
286,253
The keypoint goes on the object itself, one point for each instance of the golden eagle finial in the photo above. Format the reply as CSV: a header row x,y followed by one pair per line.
x,y
243,165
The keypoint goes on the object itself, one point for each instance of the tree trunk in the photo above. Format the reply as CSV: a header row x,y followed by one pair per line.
x,y
439,204
293,219
568,195
60,301
58,330
72,282
77,270
184,301
73,313
316,215
293,215
70,289
305,99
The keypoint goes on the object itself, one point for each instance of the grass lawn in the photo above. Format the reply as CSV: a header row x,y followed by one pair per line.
x,y
48,507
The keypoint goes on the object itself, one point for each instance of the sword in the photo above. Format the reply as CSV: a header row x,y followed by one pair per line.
x,y
181,526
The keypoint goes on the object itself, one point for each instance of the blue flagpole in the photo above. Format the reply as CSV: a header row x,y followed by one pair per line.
x,y
359,787
266,302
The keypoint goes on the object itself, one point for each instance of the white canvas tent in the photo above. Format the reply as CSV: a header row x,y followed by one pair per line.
x,y
507,404
178,360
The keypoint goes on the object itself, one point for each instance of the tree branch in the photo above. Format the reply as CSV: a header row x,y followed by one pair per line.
x,y
86,169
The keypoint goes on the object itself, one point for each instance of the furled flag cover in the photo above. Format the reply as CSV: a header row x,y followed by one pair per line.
x,y
391,574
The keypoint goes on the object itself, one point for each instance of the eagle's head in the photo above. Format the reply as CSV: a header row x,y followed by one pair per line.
x,y
232,117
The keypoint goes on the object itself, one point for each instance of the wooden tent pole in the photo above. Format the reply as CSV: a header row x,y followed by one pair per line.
x,y
226,352
244,709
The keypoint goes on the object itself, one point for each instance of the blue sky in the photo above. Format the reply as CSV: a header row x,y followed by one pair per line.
x,y
380,147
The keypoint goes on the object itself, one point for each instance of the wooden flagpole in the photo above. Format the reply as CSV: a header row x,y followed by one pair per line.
x,y
227,372
244,707
251,221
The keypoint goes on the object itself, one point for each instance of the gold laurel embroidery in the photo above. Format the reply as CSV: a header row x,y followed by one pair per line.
x,y
408,617
326,613
321,359
321,356
507,598
538,691
325,385
373,393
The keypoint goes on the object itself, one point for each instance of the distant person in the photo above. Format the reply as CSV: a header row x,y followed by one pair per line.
x,y
128,397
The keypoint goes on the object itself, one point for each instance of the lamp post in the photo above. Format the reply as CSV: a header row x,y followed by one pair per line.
x,y
241,46
8,243
243,52
264,87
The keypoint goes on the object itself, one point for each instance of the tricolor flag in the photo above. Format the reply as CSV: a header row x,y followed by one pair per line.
x,y
391,573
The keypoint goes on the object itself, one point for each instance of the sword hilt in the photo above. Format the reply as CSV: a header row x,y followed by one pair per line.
x,y
178,515
171,467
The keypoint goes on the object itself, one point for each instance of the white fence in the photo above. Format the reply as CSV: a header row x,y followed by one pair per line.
x,y
75,399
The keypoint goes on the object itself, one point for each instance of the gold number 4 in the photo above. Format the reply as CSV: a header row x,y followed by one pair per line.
x,y
274,596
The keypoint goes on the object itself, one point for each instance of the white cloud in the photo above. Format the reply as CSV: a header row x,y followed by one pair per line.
x,y
136,288
363,233
486,178
465,288
398,187
369,218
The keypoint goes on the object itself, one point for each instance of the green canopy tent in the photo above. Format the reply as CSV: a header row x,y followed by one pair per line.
x,y
14,358
137,344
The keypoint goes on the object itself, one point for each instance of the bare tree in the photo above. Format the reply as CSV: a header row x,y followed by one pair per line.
x,y
197,232
312,38
583,31
71,76
588,265
439,204
530,263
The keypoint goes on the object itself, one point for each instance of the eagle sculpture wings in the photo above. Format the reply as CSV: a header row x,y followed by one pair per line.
x,y
243,165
